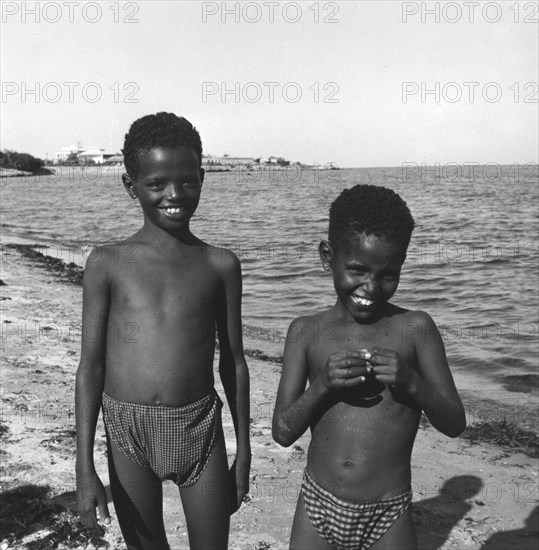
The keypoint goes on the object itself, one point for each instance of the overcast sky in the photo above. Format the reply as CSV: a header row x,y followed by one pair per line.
x,y
355,83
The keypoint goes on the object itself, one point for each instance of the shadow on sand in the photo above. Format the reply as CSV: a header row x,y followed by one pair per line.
x,y
435,517
517,539
29,509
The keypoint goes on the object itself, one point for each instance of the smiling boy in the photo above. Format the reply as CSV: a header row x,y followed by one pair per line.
x,y
372,368
152,307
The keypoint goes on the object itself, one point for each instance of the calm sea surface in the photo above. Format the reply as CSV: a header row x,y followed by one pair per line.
x,y
472,263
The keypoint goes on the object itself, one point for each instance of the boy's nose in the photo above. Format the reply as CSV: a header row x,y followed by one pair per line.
x,y
370,286
175,191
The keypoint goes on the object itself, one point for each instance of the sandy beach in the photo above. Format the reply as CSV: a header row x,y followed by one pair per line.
x,y
468,493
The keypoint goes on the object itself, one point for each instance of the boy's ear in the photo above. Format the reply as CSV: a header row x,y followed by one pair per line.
x,y
128,184
202,173
326,254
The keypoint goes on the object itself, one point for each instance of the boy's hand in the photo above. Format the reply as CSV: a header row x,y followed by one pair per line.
x,y
239,480
91,495
388,367
344,369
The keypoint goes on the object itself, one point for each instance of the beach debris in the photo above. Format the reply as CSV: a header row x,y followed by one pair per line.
x,y
297,453
505,434
70,272
61,440
259,354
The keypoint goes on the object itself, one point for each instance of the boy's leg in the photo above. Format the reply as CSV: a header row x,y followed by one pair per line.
x,y
304,535
137,494
400,536
206,504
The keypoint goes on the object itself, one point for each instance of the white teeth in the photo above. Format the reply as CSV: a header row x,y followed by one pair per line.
x,y
362,301
173,210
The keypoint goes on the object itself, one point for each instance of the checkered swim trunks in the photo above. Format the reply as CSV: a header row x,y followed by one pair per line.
x,y
349,525
175,442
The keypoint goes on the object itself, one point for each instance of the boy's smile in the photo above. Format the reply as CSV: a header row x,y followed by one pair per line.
x,y
366,271
168,185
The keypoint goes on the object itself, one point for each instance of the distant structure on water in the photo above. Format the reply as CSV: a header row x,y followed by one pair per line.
x,y
77,154
227,163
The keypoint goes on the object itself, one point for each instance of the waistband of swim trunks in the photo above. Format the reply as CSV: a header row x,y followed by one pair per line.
x,y
324,493
212,396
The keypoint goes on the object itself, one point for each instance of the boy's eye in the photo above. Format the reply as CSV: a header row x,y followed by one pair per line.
x,y
156,184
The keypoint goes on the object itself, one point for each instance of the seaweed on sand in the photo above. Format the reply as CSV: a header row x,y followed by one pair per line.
x,y
258,354
505,434
70,272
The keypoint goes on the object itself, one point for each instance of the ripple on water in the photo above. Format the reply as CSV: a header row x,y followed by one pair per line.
x,y
472,261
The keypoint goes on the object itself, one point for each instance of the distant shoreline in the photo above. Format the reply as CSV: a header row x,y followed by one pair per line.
x,y
14,173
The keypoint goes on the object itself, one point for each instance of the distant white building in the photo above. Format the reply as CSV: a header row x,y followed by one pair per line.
x,y
64,153
211,161
94,155
225,162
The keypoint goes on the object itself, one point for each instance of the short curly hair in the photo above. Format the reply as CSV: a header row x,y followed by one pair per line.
x,y
159,130
370,209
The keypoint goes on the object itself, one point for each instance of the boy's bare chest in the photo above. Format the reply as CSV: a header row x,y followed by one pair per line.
x,y
328,338
165,288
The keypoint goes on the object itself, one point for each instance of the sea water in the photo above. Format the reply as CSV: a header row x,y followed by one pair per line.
x,y
472,263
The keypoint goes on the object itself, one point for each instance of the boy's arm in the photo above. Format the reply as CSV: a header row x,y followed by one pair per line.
x,y
433,388
89,387
296,407
233,368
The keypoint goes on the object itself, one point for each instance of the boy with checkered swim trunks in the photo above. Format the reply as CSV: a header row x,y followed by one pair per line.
x,y
152,307
372,368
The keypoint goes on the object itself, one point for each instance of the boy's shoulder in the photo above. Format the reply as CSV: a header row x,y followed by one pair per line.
x,y
135,249
412,325
121,251
307,328
105,261
315,317
222,260
394,312
403,315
